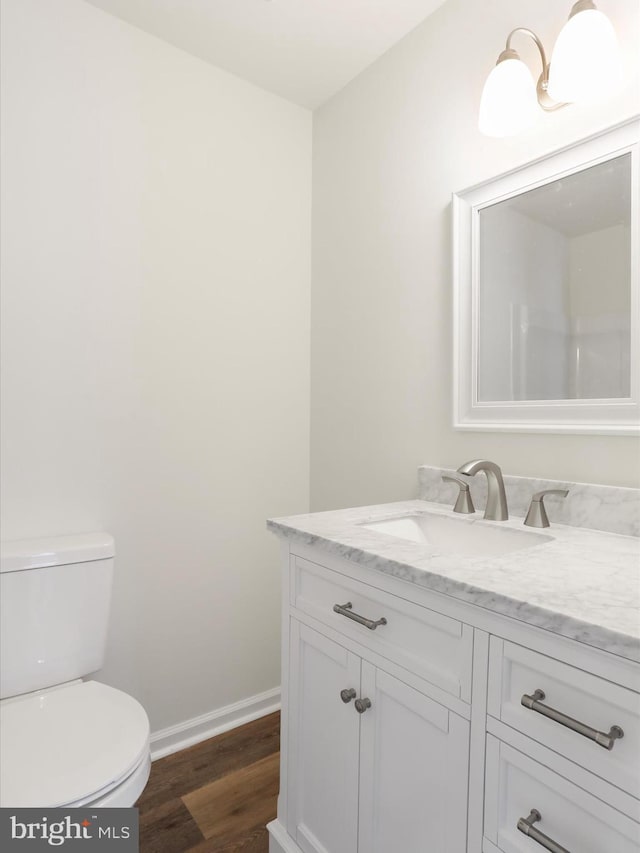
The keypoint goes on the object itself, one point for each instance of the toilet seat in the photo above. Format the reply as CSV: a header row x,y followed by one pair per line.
x,y
73,745
124,794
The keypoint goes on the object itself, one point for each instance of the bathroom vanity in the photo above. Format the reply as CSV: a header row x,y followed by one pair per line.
x,y
448,702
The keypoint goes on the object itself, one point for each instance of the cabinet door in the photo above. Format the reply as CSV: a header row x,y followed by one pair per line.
x,y
413,770
324,744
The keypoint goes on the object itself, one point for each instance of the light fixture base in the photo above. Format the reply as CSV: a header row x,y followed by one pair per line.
x,y
508,53
544,99
581,6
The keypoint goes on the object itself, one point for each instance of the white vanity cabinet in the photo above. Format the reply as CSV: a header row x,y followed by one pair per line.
x,y
381,779
403,728
374,763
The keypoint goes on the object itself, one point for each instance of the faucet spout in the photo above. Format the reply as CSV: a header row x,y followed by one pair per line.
x,y
496,508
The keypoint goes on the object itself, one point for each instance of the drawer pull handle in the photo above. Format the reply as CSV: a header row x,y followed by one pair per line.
x,y
525,825
362,705
348,695
346,610
603,739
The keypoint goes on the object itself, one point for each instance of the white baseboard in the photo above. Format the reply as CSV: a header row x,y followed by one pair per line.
x,y
279,840
190,732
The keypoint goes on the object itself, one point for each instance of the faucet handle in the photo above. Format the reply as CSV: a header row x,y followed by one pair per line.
x,y
463,503
537,514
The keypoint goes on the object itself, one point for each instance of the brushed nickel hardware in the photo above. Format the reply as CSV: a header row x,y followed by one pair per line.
x,y
348,695
362,705
525,825
603,739
463,502
346,610
496,508
537,514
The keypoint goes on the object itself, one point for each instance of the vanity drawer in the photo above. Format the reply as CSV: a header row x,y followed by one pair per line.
x,y
434,647
587,705
570,816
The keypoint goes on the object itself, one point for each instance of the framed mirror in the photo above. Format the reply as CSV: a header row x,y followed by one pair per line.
x,y
547,293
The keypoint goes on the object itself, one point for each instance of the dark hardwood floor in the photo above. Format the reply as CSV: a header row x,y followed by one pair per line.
x,y
215,797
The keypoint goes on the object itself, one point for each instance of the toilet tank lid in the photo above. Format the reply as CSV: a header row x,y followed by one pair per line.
x,y
20,554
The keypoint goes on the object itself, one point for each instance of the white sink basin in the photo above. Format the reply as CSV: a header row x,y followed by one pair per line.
x,y
468,537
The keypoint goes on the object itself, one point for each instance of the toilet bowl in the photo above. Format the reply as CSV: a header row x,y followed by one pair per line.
x,y
64,742
78,744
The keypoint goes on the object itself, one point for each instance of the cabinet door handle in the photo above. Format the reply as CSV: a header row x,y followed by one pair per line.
x,y
362,705
525,825
603,739
347,695
346,610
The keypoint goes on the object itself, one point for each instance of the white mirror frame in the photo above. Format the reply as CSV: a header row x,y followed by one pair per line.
x,y
604,417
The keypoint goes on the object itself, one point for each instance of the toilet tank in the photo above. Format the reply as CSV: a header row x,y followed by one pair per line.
x,y
54,609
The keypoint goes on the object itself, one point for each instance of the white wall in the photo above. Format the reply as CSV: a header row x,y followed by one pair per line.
x,y
156,231
388,152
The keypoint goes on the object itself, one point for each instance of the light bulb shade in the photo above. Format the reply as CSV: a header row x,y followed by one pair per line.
x,y
509,103
585,65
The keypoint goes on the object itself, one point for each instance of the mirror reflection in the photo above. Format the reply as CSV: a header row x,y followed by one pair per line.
x,y
554,292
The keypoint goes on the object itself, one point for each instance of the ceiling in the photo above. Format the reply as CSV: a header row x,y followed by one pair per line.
x,y
587,201
303,50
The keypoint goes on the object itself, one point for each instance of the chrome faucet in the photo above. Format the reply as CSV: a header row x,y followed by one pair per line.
x,y
496,508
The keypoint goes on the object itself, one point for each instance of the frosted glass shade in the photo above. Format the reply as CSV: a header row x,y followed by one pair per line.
x,y
509,103
585,65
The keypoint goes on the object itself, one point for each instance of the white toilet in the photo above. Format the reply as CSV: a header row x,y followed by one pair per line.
x,y
63,741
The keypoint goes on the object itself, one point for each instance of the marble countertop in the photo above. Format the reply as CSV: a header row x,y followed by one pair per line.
x,y
584,584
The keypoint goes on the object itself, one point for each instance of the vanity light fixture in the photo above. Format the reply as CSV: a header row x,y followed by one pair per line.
x,y
585,66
